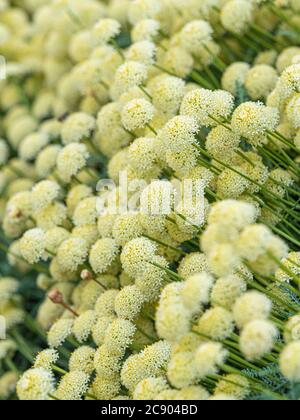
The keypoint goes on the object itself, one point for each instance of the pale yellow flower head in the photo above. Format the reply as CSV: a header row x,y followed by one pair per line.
x,y
70,160
36,385
72,386
137,114
32,246
77,127
105,30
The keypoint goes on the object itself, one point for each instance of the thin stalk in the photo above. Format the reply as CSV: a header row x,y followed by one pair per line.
x,y
276,197
283,140
227,344
187,221
196,77
164,70
222,123
150,337
267,34
53,397
37,267
260,41
73,341
246,42
215,82
143,89
262,289
284,268
180,251
283,234
92,397
99,283
152,129
256,386
242,362
11,366
59,370
218,62
243,156
68,308
278,12
276,159
168,271
23,349
290,162
277,322
273,211
93,147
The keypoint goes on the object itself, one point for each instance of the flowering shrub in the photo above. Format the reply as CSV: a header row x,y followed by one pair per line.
x,y
149,199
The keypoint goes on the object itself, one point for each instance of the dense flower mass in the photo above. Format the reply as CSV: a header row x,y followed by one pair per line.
x,y
149,200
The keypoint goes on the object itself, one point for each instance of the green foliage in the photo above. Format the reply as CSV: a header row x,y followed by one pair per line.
x,y
294,392
241,94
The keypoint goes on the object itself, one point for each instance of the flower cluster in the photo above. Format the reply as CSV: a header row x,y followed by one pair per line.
x,y
192,301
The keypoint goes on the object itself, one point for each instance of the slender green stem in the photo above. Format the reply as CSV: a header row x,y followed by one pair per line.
x,y
284,268
164,70
144,90
11,366
255,385
278,12
215,82
261,187
196,77
150,337
180,251
59,370
167,270
260,41
23,347
267,34
152,129
277,136
38,267
283,234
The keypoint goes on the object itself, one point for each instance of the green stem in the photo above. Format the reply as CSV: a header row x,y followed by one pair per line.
x,y
283,234
143,89
59,370
267,34
284,268
152,129
168,271
38,267
254,385
23,347
11,366
277,136
164,70
215,82
261,187
259,40
196,77
180,251
53,397
278,12
152,339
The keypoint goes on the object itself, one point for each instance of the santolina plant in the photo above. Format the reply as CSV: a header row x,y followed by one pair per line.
x,y
149,200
